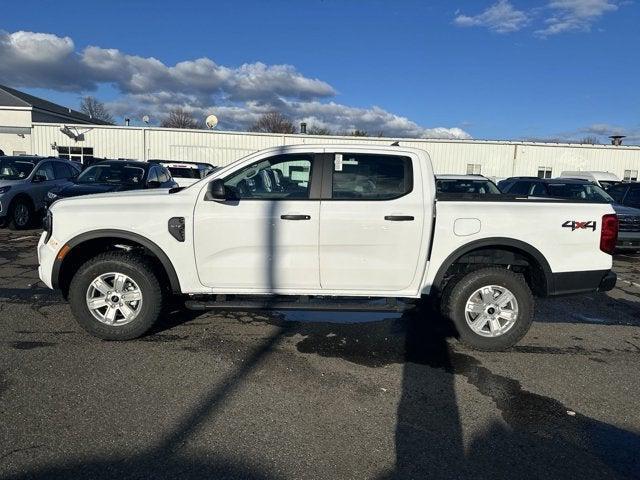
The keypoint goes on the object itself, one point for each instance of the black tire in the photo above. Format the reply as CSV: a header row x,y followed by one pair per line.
x,y
136,268
21,214
455,299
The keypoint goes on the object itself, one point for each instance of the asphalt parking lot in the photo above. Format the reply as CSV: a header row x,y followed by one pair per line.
x,y
316,395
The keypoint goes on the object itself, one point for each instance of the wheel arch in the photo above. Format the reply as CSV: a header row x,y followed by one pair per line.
x,y
544,285
86,245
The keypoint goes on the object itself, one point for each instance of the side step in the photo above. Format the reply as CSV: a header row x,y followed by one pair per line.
x,y
221,302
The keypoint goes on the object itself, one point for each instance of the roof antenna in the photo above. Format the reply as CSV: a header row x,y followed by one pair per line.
x,y
396,143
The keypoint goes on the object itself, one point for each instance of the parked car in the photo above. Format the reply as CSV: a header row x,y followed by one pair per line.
x,y
371,229
24,182
186,173
602,179
462,184
573,189
114,176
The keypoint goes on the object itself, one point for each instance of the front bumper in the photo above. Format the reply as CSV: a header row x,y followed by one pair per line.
x,y
628,241
46,258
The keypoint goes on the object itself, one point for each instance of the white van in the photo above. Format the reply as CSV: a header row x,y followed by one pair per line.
x,y
603,179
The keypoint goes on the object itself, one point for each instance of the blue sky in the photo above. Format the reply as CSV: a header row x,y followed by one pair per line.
x,y
502,69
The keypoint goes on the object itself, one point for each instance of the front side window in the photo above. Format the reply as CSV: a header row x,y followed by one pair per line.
x,y
520,188
371,177
62,171
274,178
45,172
633,197
617,192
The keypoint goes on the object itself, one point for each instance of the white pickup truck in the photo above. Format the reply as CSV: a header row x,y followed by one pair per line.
x,y
325,227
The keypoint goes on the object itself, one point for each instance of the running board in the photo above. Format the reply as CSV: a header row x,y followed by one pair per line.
x,y
221,302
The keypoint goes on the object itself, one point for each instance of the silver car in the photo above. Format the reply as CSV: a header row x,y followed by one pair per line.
x,y
24,182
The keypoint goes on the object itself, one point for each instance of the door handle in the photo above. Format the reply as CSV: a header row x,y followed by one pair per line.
x,y
399,218
295,217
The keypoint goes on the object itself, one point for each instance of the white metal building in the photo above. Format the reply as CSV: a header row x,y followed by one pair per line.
x,y
490,158
39,127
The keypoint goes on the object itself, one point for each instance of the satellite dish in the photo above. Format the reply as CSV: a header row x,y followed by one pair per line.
x,y
211,121
145,119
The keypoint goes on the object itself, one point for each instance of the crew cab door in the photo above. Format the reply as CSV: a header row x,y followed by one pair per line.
x,y
264,237
372,219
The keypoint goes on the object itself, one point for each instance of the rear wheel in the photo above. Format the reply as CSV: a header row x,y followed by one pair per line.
x,y
491,308
116,296
21,214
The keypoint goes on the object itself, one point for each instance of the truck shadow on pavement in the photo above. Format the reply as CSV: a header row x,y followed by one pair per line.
x,y
536,436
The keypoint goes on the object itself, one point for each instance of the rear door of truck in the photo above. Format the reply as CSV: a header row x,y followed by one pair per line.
x,y
372,221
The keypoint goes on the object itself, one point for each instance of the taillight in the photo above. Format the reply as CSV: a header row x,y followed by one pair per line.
x,y
609,233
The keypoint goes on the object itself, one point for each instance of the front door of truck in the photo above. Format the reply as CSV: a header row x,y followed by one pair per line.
x,y
371,223
264,238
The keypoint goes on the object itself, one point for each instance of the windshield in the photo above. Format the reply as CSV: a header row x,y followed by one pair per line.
x,y
15,168
577,191
112,174
466,186
179,172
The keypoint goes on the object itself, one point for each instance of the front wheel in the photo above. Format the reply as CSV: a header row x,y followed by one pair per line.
x,y
116,296
21,214
491,308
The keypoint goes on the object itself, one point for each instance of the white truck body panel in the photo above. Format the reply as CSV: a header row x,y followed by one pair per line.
x,y
346,247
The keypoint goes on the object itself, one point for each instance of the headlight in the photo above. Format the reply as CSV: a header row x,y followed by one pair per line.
x,y
47,224
52,196
4,189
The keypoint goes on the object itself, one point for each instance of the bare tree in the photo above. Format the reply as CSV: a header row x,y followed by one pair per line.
x,y
314,130
94,108
359,133
179,118
591,140
273,122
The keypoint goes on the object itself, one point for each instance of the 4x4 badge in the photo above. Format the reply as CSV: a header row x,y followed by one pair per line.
x,y
573,225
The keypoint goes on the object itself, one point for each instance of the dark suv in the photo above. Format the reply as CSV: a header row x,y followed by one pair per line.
x,y
622,198
114,176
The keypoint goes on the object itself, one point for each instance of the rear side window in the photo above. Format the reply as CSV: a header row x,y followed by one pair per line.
x,y
371,177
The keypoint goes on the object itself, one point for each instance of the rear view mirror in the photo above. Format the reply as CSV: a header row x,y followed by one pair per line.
x,y
38,178
216,191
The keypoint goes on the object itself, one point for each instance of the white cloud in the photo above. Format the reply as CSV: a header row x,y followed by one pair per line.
x,y
574,15
238,95
557,16
501,17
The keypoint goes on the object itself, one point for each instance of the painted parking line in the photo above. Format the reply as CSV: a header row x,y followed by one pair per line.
x,y
22,238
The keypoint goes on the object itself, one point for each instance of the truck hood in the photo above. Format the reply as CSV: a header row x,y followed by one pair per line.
x,y
9,183
119,197
77,189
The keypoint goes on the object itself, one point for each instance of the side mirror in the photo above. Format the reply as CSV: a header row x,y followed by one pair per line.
x,y
216,191
38,178
153,184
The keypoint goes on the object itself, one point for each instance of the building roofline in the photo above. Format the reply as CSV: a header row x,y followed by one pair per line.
x,y
350,139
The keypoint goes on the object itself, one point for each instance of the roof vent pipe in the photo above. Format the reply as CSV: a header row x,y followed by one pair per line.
x,y
617,139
